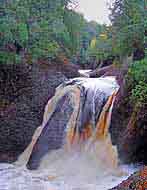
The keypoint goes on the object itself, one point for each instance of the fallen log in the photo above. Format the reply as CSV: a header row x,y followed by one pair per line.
x,y
101,71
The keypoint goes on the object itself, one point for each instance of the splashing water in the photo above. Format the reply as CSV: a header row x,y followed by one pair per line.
x,y
90,177
80,155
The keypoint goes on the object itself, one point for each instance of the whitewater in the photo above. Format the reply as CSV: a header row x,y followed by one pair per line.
x,y
87,160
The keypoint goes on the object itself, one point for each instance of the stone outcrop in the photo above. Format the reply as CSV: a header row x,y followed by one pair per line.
x,y
78,113
24,92
137,181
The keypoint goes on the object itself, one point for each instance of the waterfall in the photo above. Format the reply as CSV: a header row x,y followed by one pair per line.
x,y
76,121
72,148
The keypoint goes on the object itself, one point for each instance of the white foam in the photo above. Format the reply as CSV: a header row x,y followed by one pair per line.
x,y
107,84
87,178
61,170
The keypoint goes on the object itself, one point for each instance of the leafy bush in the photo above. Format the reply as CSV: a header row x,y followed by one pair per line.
x,y
35,28
137,81
9,58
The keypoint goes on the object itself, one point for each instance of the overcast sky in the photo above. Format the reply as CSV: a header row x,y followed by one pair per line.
x,y
94,10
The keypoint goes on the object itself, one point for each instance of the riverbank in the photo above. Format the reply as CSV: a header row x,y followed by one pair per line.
x,y
137,181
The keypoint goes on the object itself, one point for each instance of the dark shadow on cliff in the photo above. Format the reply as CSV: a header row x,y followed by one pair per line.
x,y
24,92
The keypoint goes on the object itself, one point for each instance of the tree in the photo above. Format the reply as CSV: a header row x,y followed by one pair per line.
x,y
127,19
74,23
31,27
145,27
100,47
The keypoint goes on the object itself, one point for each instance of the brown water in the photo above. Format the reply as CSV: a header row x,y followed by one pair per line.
x,y
86,160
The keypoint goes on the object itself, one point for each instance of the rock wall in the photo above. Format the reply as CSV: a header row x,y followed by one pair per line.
x,y
24,92
128,133
129,129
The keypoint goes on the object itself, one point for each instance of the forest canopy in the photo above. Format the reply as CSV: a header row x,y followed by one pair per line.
x,y
33,30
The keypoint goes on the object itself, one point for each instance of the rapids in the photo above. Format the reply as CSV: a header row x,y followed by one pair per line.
x,y
14,177
72,149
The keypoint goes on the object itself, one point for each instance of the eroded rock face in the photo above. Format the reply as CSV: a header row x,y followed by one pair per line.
x,y
133,141
24,92
81,108
137,181
53,132
129,132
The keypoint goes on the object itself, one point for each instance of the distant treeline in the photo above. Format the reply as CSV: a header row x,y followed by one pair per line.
x,y
32,30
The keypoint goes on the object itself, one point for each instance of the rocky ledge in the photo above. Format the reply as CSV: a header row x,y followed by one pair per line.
x,y
137,181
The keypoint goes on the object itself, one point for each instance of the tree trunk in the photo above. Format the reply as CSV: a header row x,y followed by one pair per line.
x,y
101,64
100,71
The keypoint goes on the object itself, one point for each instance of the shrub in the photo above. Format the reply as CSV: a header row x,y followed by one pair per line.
x,y
137,81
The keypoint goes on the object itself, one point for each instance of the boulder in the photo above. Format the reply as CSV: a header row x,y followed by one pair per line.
x,y
137,181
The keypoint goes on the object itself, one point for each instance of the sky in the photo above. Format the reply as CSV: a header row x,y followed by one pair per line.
x,y
96,10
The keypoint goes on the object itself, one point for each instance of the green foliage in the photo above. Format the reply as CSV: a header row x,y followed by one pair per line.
x,y
9,58
138,71
74,23
127,19
137,81
89,32
41,29
101,45
36,28
23,34
46,29
139,93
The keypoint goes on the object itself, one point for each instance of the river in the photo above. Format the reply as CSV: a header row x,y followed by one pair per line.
x,y
74,149
85,177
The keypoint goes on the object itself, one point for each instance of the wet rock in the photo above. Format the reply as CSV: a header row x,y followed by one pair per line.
x,y
81,108
53,133
128,129
24,92
137,181
133,141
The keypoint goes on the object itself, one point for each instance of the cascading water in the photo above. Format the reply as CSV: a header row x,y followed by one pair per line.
x,y
72,149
